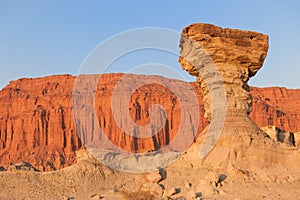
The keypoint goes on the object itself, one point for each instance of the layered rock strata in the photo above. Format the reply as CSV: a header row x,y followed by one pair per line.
x,y
223,60
37,121
37,126
276,106
233,55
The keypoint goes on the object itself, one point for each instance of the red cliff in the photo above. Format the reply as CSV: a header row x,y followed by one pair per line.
x,y
37,125
276,106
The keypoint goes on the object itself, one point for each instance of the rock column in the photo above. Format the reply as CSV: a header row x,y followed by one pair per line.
x,y
223,60
223,57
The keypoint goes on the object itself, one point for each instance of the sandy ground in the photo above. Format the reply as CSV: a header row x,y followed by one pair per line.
x,y
89,179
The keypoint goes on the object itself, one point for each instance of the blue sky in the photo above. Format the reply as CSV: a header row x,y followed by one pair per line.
x,y
39,38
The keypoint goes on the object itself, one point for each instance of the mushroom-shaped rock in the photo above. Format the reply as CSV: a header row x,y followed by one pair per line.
x,y
236,55
223,60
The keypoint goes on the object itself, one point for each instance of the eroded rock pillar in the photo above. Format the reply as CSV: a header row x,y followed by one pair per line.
x,y
223,60
236,55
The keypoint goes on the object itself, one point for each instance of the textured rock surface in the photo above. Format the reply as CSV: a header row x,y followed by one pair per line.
x,y
242,149
276,106
223,60
279,135
263,169
37,126
297,138
36,123
237,56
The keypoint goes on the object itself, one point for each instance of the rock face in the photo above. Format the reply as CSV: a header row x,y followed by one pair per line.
x,y
37,126
276,106
223,60
236,56
36,123
112,104
279,135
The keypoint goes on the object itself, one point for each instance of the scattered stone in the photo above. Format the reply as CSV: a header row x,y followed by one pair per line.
x,y
178,190
2,169
198,195
221,179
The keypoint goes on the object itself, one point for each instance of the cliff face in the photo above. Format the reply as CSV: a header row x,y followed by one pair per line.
x,y
36,123
37,126
276,106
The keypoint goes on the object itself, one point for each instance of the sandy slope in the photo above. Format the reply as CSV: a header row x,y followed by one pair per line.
x,y
186,178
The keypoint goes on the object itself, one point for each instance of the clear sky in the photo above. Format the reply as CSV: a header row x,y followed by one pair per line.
x,y
39,38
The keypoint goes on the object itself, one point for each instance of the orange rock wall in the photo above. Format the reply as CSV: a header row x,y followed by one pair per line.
x,y
37,125
276,106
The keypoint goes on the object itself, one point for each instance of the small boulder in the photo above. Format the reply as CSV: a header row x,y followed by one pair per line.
x,y
221,180
187,185
153,177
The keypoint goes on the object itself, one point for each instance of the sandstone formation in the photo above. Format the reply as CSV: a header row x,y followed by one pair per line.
x,y
279,135
36,123
236,56
276,106
37,126
245,163
223,60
